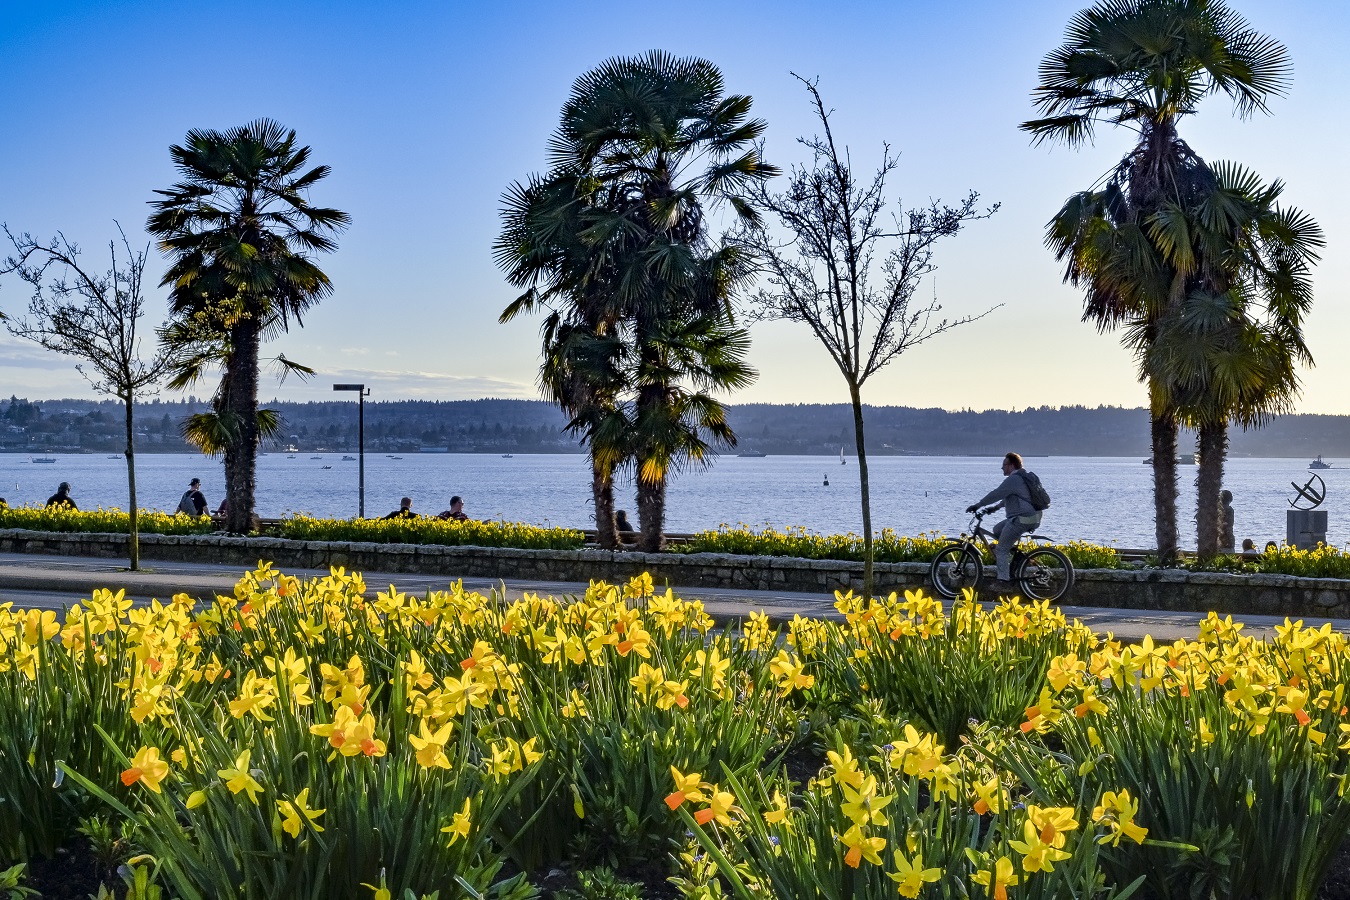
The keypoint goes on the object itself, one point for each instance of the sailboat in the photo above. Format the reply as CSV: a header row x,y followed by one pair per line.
x,y
842,462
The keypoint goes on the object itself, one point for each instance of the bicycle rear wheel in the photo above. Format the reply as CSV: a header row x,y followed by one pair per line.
x,y
955,569
1045,574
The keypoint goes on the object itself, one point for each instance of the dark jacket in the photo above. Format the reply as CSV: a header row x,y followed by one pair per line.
x,y
61,501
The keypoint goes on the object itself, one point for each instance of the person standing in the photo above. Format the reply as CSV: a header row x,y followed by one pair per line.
x,y
1014,496
61,499
193,502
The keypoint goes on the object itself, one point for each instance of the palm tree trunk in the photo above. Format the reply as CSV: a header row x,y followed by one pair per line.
x,y
602,489
1213,450
868,550
1164,429
241,457
651,505
133,529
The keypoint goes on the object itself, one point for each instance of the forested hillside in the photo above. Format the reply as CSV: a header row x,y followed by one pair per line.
x,y
532,426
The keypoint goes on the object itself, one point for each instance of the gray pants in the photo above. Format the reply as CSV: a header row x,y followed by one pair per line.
x,y
1007,533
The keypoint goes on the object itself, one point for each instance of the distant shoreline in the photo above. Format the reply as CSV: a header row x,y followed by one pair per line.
x,y
730,454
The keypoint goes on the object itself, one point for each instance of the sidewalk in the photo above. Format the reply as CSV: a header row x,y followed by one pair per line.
x,y
51,582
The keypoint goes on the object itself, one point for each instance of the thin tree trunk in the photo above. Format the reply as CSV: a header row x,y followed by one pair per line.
x,y
134,541
1164,432
602,489
868,550
651,504
241,459
1212,446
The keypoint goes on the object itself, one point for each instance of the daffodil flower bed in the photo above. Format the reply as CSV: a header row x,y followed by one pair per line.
x,y
100,521
1321,561
433,531
888,546
317,740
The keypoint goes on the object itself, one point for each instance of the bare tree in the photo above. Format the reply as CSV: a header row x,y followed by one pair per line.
x,y
94,318
834,260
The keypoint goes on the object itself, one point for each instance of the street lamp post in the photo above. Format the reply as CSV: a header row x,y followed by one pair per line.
x,y
361,394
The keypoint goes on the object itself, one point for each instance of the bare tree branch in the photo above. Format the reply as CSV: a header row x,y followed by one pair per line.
x,y
94,318
829,259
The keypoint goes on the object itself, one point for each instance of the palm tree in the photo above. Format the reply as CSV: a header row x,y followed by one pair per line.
x,y
616,237
677,419
1143,64
541,248
241,234
1231,351
657,140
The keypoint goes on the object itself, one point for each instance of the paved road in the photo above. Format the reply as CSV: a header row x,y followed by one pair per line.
x,y
51,582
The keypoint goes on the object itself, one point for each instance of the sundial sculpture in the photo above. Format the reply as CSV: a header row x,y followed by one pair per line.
x,y
1305,524
1309,494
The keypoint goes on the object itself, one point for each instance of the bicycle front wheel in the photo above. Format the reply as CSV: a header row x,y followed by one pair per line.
x,y
1045,574
955,569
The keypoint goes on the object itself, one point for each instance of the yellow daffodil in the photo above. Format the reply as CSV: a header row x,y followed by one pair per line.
x,y
1117,811
912,876
998,878
719,808
862,806
146,768
295,813
861,847
459,825
430,746
687,787
240,778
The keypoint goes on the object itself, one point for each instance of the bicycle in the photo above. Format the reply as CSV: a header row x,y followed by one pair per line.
x,y
1043,573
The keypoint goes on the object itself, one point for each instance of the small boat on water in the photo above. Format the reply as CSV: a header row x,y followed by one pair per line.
x,y
842,462
325,467
395,457
1187,460
507,456
753,454
115,456
44,460
290,456
316,457
1319,464
349,459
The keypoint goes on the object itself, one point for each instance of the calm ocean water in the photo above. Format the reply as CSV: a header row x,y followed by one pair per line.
x,y
1100,499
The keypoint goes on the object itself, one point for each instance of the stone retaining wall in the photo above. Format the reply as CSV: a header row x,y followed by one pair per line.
x,y
1173,589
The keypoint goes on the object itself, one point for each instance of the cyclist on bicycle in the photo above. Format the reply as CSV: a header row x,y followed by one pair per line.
x,y
1014,497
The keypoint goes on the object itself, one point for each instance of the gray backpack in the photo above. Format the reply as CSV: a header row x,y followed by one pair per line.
x,y
1040,497
186,505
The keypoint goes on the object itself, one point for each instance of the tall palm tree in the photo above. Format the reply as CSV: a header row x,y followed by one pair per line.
x,y
617,236
1232,350
241,236
1144,64
659,144
542,249
677,420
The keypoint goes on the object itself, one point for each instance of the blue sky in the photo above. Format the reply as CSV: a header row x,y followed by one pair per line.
x,y
427,111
